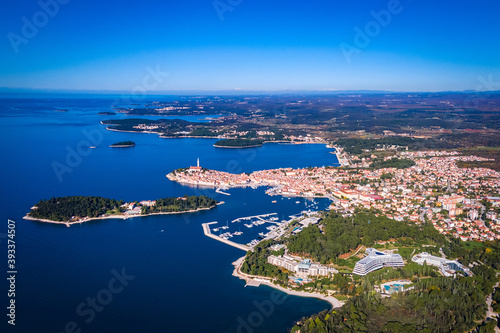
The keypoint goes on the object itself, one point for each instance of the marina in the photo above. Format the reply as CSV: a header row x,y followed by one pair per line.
x,y
259,217
252,221
207,232
273,231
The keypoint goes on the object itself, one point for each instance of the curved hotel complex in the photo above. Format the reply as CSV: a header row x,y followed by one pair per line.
x,y
376,260
447,267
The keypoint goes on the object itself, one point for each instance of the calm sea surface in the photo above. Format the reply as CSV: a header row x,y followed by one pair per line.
x,y
177,280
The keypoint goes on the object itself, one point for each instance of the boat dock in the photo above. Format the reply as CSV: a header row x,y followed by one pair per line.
x,y
207,232
260,217
219,190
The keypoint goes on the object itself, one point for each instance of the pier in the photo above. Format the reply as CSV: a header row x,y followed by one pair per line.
x,y
207,232
219,190
253,217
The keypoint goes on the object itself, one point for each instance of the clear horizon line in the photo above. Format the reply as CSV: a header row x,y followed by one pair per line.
x,y
16,90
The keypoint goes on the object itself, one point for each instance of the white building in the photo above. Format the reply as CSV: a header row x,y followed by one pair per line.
x,y
447,267
285,261
473,214
376,260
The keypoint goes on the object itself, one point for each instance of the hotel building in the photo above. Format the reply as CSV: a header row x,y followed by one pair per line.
x,y
447,267
302,268
376,260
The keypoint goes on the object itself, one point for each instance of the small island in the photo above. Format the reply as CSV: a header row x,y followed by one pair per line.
x,y
107,113
123,144
78,209
238,143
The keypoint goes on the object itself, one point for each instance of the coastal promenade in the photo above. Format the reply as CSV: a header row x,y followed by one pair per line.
x,y
255,281
207,232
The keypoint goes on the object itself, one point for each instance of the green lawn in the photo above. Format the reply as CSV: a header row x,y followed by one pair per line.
x,y
472,244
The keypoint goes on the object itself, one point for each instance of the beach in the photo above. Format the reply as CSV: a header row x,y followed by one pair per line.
x,y
255,281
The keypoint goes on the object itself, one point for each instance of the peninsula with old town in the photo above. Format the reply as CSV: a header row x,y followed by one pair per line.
x,y
461,202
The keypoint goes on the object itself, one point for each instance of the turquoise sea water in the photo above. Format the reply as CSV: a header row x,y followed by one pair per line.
x,y
181,279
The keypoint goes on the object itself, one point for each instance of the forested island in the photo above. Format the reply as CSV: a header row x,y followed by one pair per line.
x,y
76,209
238,143
123,144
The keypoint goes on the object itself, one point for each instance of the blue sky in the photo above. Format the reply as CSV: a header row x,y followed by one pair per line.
x,y
258,45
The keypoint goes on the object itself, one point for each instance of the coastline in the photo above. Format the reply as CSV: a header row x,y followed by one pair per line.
x,y
256,281
160,134
115,130
173,178
280,142
120,216
238,147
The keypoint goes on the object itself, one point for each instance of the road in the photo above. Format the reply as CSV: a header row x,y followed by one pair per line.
x,y
490,313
